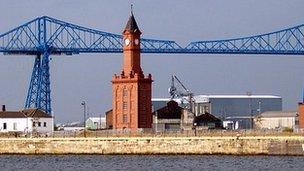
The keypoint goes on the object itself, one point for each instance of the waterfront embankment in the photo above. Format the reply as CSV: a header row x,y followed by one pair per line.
x,y
229,145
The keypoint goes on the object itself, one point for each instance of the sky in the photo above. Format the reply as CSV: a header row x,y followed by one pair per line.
x,y
87,76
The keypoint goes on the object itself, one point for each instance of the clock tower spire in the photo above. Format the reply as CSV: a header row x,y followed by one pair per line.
x,y
131,47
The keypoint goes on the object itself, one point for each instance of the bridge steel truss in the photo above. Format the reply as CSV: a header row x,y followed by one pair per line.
x,y
45,36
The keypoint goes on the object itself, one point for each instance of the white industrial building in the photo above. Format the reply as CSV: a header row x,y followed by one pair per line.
x,y
95,123
26,121
276,120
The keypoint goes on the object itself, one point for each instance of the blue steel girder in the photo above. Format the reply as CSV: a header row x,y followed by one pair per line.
x,y
33,91
58,37
39,93
285,42
45,90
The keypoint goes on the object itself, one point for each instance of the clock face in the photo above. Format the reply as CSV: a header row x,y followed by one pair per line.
x,y
136,41
127,42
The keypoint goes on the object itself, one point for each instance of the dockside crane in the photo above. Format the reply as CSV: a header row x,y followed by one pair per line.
x,y
186,97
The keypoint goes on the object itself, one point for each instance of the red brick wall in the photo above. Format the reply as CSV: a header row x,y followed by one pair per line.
x,y
137,99
131,61
130,98
301,115
145,105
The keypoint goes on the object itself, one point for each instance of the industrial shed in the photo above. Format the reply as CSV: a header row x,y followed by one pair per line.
x,y
168,118
207,121
95,123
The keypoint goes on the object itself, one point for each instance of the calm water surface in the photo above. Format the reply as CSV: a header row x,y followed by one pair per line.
x,y
133,162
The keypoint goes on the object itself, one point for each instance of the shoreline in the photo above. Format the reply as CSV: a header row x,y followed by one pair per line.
x,y
211,145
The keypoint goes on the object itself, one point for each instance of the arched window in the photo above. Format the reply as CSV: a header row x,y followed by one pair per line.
x,y
124,92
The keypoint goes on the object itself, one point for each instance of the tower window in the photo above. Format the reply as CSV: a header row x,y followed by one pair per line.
x,y
124,92
143,107
124,118
124,105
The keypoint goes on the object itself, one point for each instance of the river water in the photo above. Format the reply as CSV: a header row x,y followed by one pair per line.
x,y
149,162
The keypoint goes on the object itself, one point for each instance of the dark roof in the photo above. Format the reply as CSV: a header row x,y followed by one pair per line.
x,y
12,114
109,111
25,113
132,25
36,113
207,117
171,111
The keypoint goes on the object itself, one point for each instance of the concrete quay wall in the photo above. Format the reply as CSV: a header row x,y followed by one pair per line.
x,y
293,145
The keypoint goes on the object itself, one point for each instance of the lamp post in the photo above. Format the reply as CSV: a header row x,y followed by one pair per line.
x,y
83,103
250,108
260,106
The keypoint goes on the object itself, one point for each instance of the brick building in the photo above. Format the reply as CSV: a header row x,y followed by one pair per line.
x,y
109,119
301,115
26,121
131,89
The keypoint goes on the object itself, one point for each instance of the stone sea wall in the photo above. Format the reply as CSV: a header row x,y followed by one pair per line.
x,y
293,145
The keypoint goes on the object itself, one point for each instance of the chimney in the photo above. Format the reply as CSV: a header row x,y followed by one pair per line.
x,y
3,108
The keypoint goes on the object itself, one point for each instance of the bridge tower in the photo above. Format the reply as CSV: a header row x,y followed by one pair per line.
x,y
39,92
131,89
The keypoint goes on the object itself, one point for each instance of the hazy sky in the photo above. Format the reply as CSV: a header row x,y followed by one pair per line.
x,y
87,76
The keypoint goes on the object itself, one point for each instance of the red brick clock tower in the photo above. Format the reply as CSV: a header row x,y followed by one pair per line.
x,y
131,89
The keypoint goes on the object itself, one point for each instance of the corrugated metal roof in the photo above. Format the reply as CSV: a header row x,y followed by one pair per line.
x,y
205,98
166,100
161,99
239,96
97,119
